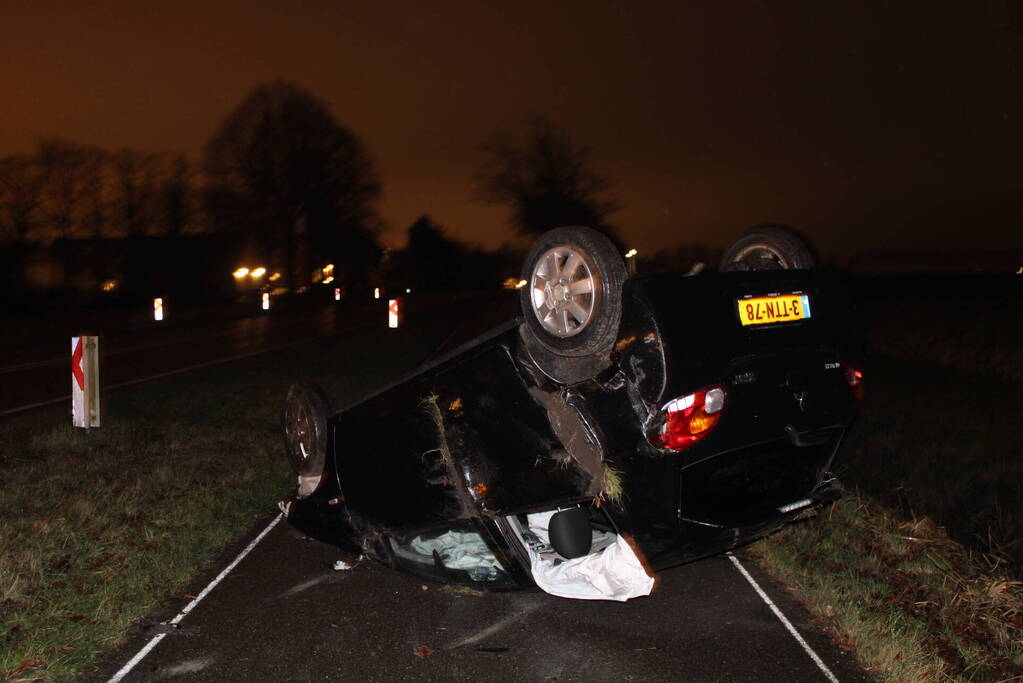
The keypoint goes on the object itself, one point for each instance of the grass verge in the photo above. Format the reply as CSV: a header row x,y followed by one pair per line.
x,y
912,604
103,526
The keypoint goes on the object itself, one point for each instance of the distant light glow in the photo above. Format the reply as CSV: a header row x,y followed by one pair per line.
x,y
258,272
157,309
376,292
630,253
408,290
109,285
327,280
241,272
275,277
520,284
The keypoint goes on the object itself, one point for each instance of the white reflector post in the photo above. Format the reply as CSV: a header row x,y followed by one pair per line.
x,y
337,294
266,301
158,309
394,312
85,381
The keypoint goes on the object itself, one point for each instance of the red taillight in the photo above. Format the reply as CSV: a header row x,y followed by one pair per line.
x,y
855,379
687,419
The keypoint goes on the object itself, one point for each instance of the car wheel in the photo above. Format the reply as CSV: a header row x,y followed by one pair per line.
x,y
572,302
306,410
767,247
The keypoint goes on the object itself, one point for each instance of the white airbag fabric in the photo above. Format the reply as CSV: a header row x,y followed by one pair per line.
x,y
613,573
457,550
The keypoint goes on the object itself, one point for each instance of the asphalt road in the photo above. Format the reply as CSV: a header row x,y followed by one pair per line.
x,y
39,372
283,614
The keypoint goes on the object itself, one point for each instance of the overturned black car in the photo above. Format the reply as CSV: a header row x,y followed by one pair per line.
x,y
618,427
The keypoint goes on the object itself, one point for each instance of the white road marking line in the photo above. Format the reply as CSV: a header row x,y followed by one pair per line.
x,y
521,613
788,625
126,669
161,375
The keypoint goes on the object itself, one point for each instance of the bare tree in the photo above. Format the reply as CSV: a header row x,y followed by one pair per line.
x,y
175,198
64,166
280,163
546,179
20,195
135,197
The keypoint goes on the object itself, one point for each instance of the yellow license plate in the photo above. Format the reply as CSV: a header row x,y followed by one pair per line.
x,y
779,308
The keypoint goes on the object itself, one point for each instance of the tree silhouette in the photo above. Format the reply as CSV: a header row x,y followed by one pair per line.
x,y
281,165
20,188
435,257
545,177
135,205
174,198
66,169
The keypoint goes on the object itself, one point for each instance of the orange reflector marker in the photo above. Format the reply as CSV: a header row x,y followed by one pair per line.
x,y
158,309
266,301
394,312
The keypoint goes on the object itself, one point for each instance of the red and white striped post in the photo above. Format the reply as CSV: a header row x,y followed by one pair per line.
x,y
85,381
394,312
158,308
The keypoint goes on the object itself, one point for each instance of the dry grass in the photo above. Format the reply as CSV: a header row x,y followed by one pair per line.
x,y
911,603
918,572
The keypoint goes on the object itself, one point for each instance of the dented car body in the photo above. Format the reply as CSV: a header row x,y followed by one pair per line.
x,y
699,428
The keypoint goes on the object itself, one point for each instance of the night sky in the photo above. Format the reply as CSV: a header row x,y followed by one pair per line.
x,y
890,126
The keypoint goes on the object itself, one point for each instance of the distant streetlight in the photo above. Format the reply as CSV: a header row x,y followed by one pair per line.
x,y
275,277
630,262
258,272
520,284
408,290
241,272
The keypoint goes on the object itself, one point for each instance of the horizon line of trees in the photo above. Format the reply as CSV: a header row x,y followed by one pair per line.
x,y
295,186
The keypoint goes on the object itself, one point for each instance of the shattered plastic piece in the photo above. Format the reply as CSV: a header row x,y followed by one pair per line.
x,y
484,573
614,572
342,565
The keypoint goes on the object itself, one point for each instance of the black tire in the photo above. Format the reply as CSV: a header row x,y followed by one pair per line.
x,y
566,322
767,247
305,414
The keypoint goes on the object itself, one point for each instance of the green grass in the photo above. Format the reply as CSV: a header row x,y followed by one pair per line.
x,y
103,526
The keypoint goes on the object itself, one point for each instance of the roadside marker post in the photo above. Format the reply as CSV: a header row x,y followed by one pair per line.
x,y
376,292
337,294
394,313
266,301
158,309
85,381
